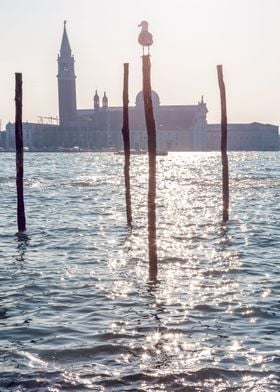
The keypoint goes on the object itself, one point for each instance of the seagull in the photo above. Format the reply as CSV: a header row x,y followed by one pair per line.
x,y
145,38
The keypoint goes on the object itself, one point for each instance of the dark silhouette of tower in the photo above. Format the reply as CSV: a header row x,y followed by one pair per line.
x,y
66,82
96,101
105,101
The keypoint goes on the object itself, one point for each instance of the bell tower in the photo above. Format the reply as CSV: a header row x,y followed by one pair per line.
x,y
96,101
105,101
66,82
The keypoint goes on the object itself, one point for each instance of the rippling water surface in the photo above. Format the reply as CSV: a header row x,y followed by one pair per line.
x,y
78,312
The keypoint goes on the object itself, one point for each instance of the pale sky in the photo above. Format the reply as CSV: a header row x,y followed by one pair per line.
x,y
190,38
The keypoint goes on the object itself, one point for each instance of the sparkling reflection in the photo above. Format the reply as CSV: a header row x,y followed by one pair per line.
x,y
84,313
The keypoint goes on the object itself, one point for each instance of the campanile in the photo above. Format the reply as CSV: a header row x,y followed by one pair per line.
x,y
66,82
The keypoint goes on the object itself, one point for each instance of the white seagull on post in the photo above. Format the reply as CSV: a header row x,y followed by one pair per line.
x,y
145,38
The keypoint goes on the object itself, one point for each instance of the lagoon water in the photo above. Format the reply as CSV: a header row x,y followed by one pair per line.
x,y
78,311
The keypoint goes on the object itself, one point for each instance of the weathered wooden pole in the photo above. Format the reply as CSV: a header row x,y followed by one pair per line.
x,y
151,136
224,143
19,154
126,144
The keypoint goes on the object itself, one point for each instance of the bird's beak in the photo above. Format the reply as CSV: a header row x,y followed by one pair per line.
x,y
140,25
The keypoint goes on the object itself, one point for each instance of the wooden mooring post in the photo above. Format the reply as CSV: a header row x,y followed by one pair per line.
x,y
19,154
151,137
126,144
224,143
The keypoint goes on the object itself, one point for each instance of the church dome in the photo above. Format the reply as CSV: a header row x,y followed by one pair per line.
x,y
139,102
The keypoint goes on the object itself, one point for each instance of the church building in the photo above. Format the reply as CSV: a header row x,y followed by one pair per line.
x,y
179,127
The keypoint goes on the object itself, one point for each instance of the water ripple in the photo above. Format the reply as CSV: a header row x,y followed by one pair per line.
x,y
78,311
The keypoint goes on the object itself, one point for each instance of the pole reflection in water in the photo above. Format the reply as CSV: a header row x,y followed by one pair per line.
x,y
23,243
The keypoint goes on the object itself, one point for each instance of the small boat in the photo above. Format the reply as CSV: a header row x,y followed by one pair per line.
x,y
132,152
162,152
141,152
76,148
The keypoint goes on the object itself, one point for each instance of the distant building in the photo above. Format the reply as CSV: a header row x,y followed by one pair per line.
x,y
35,136
245,137
2,140
179,127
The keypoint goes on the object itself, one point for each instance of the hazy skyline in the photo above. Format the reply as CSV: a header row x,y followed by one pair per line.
x,y
190,38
